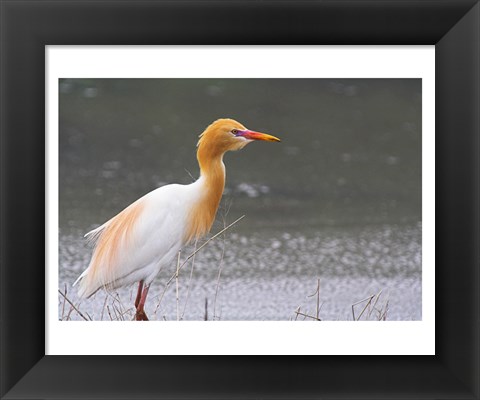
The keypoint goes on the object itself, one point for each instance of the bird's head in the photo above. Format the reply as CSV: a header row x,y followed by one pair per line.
x,y
227,134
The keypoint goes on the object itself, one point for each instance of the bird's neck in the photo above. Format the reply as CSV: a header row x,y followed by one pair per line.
x,y
212,174
211,185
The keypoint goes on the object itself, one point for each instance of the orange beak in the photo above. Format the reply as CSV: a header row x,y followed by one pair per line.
x,y
252,135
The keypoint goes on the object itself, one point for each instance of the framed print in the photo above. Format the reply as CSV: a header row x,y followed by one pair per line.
x,y
58,76
282,208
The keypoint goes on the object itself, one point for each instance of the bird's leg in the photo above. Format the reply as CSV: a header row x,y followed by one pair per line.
x,y
139,293
140,314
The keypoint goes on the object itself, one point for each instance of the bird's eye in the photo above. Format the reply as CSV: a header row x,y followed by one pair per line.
x,y
234,131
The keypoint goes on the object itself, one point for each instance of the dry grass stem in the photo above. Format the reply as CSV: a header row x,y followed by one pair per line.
x,y
319,305
109,313
64,301
205,317
187,296
298,312
73,305
191,256
117,306
71,309
204,244
218,277
375,303
366,305
115,311
317,292
103,308
176,284
369,308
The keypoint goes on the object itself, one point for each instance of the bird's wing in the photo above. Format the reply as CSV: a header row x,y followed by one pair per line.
x,y
135,241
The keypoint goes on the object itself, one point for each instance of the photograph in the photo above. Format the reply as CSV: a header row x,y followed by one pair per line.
x,y
240,199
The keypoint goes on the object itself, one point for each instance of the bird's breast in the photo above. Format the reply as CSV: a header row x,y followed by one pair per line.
x,y
203,210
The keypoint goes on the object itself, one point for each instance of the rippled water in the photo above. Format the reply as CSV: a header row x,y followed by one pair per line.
x,y
268,274
337,202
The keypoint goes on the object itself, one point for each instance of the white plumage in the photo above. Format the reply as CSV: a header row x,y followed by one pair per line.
x,y
155,239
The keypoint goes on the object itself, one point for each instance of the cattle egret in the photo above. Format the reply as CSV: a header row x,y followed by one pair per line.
x,y
135,244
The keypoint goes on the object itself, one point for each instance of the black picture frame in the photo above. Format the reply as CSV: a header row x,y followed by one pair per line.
x,y
453,26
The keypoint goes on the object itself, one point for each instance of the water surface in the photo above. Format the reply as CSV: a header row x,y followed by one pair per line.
x,y
338,201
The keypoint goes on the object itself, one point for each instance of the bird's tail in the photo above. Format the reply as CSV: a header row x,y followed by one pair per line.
x,y
84,285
